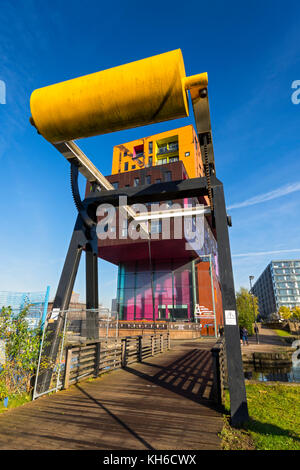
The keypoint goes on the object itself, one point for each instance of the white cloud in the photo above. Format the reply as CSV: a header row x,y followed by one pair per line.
x,y
279,192
259,253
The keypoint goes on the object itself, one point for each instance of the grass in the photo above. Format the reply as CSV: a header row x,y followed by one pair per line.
x,y
15,401
282,333
274,423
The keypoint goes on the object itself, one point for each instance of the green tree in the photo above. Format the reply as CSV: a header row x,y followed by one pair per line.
x,y
296,313
247,307
22,345
284,312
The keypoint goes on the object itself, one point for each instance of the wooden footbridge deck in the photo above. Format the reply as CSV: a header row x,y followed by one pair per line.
x,y
160,403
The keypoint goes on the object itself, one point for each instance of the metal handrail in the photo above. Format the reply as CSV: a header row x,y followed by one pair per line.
x,y
163,150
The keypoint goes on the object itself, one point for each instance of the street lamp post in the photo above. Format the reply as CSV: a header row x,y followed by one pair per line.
x,y
256,329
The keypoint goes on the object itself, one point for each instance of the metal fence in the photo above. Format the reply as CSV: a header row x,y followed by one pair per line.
x,y
36,303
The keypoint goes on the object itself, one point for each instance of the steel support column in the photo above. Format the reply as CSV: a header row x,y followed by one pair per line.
x,y
62,299
236,381
92,299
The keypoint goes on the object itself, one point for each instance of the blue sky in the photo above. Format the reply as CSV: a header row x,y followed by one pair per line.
x,y
252,56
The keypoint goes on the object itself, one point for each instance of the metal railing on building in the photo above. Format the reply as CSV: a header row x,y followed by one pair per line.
x,y
164,150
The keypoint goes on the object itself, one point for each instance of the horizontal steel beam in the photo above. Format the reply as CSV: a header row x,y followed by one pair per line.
x,y
156,192
72,152
170,213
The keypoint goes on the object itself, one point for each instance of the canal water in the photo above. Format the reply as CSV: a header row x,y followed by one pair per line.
x,y
275,374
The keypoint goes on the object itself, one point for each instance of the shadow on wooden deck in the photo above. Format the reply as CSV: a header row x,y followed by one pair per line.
x,y
189,376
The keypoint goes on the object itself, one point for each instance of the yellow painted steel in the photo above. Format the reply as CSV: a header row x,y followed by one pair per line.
x,y
199,81
131,95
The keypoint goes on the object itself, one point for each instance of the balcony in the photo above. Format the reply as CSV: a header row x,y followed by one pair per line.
x,y
165,150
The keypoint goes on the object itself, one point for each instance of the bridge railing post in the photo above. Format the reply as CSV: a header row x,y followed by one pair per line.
x,y
124,352
97,358
68,366
152,345
140,348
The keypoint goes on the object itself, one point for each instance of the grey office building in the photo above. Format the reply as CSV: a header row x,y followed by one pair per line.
x,y
278,285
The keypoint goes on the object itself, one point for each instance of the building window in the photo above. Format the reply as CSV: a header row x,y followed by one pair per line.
x,y
173,146
148,179
187,154
115,185
168,176
158,180
133,167
173,159
150,147
136,181
150,161
125,166
125,153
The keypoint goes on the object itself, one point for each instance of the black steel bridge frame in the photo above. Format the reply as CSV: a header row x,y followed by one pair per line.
x,y
84,237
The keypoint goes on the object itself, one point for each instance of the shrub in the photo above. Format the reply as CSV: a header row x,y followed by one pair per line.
x,y
22,345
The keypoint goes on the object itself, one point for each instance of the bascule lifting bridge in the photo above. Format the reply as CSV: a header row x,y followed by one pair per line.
x,y
140,93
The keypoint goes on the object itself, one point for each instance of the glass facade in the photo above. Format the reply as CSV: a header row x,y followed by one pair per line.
x,y
171,290
168,289
286,280
161,292
278,285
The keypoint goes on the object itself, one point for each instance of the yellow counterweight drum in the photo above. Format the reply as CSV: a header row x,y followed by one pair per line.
x,y
131,95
